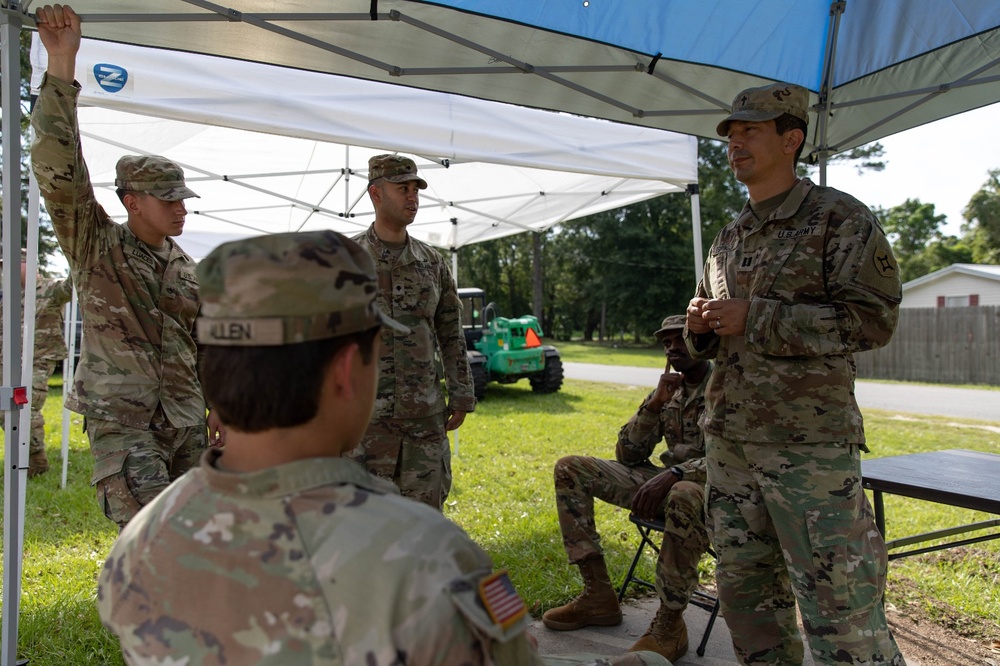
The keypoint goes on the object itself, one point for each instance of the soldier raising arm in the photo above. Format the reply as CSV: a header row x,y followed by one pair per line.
x,y
137,381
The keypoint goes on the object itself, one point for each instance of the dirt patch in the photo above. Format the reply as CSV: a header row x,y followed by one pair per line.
x,y
926,643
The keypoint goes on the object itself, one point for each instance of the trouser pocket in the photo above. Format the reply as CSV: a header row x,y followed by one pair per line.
x,y
850,560
115,495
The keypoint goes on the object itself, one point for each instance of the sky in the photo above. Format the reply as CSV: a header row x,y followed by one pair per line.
x,y
943,163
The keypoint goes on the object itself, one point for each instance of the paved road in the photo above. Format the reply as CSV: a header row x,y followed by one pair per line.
x,y
907,398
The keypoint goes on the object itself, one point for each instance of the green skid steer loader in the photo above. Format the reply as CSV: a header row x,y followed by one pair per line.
x,y
506,350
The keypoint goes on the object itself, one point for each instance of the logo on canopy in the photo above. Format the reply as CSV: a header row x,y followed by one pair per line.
x,y
111,78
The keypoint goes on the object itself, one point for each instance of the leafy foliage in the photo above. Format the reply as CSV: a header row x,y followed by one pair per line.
x,y
983,221
46,242
914,230
628,267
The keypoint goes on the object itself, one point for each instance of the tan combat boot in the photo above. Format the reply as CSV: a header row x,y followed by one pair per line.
x,y
667,635
597,604
38,463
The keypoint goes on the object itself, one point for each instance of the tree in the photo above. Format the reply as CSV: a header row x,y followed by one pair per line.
x,y
867,157
632,266
982,227
502,268
625,268
46,241
910,227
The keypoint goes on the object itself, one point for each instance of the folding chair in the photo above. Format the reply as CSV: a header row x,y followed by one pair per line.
x,y
700,599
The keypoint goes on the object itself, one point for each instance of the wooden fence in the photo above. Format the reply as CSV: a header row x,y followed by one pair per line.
x,y
940,346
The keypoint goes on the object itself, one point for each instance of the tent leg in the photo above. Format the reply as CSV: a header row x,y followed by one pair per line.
x,y
15,473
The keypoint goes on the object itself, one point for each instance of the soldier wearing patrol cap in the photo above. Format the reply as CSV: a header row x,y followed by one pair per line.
x,y
137,382
407,441
276,548
799,282
673,493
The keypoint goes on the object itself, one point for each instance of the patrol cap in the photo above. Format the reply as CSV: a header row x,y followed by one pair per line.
x,y
153,175
395,169
281,289
671,323
767,103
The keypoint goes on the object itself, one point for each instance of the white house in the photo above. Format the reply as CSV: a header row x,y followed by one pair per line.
x,y
958,285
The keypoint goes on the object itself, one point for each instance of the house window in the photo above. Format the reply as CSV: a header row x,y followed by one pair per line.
x,y
956,301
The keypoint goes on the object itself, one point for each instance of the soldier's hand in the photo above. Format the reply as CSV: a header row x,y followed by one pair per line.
x,y
695,322
216,431
455,419
650,496
665,389
726,316
59,29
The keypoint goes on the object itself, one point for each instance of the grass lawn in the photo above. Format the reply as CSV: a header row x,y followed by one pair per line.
x,y
503,497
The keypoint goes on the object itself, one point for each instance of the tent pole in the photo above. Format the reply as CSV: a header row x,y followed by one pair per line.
x,y
454,250
15,475
837,9
68,372
699,259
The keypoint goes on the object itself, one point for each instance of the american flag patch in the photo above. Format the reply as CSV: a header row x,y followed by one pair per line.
x,y
502,601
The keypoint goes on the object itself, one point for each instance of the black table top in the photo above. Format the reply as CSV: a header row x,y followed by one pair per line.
x,y
968,479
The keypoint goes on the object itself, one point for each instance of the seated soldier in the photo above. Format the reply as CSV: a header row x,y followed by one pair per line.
x,y
275,549
674,492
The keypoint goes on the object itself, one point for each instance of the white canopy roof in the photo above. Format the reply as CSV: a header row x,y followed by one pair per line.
x,y
492,168
874,67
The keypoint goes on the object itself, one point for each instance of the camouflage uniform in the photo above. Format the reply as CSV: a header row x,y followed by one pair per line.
x,y
406,441
137,380
311,562
787,514
579,479
307,560
50,348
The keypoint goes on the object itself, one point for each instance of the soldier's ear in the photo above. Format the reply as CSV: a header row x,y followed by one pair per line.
x,y
131,202
375,193
793,139
340,372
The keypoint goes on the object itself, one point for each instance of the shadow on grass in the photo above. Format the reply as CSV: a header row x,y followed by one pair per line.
x,y
520,398
543,576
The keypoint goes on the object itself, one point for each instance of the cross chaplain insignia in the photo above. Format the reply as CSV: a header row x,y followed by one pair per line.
x,y
501,600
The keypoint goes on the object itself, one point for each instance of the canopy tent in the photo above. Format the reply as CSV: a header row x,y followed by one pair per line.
x,y
492,169
875,67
